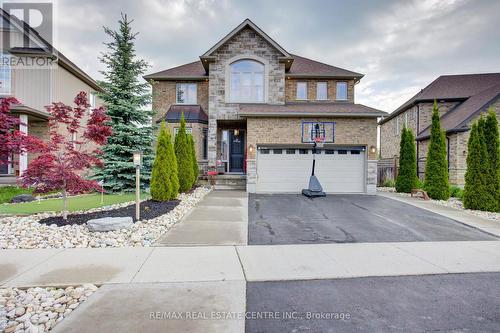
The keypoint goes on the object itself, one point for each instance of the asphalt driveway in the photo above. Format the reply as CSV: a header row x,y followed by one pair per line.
x,y
437,303
295,219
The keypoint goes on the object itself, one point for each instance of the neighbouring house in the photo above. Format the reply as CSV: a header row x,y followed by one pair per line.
x,y
254,110
36,74
460,99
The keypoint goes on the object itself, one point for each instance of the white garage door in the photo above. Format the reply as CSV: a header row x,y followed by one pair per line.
x,y
287,170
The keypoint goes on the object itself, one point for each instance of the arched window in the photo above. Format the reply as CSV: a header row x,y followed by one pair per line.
x,y
247,81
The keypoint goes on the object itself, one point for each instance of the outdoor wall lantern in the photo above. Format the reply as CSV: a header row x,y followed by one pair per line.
x,y
137,162
236,132
250,148
373,149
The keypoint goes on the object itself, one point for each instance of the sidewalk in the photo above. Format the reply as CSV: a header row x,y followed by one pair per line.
x,y
46,267
461,216
221,218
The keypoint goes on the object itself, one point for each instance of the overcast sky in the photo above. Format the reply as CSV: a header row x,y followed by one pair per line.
x,y
400,46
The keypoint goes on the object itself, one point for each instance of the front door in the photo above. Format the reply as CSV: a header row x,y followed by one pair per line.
x,y
236,151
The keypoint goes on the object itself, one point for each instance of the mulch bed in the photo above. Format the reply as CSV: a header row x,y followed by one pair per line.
x,y
149,210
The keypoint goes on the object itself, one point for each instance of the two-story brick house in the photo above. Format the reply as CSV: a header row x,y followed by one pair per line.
x,y
36,74
254,109
461,99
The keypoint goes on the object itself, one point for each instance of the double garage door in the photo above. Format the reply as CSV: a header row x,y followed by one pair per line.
x,y
287,170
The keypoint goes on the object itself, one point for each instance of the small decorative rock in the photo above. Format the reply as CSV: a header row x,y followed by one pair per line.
x,y
27,312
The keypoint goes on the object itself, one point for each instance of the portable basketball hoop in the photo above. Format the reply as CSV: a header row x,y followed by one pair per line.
x,y
315,189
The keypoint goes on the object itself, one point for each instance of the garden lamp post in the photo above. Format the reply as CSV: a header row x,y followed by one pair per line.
x,y
137,163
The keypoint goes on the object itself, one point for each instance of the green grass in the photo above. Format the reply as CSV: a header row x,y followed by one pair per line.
x,y
8,192
82,202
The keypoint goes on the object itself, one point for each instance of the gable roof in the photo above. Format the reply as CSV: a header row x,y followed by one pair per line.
x,y
450,87
45,48
247,23
458,119
301,68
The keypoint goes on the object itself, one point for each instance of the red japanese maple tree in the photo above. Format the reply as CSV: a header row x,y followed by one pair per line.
x,y
12,140
62,166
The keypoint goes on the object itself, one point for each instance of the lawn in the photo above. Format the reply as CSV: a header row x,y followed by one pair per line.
x,y
76,203
8,192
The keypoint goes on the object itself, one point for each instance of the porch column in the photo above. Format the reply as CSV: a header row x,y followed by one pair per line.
x,y
23,157
212,142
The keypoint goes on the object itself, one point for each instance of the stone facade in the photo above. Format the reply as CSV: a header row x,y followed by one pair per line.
x,y
291,90
245,44
164,96
456,142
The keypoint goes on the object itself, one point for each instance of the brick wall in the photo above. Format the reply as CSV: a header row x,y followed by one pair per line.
x,y
291,90
163,95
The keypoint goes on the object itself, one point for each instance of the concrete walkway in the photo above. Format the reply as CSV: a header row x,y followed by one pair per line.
x,y
221,218
46,267
459,215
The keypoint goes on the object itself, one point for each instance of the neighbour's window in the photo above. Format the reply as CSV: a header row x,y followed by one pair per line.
x,y
189,131
5,74
205,143
290,151
247,81
406,119
92,100
342,152
186,93
321,91
277,151
264,151
396,126
302,90
341,91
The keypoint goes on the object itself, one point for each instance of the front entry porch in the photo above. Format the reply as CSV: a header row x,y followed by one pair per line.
x,y
231,148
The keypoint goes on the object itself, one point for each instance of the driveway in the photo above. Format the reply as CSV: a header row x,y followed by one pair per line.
x,y
437,303
295,219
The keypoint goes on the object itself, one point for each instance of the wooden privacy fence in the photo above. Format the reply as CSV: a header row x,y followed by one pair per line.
x,y
387,169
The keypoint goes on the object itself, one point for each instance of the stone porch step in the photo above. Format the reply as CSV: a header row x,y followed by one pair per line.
x,y
231,182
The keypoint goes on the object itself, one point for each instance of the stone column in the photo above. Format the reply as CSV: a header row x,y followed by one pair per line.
x,y
212,142
23,157
371,180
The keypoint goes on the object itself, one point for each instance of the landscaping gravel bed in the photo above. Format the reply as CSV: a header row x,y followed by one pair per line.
x,y
451,202
149,210
39,309
26,232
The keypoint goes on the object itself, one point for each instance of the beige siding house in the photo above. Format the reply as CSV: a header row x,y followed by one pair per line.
x,y
51,77
255,110
461,99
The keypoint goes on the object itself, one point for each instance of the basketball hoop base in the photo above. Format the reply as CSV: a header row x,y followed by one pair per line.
x,y
315,189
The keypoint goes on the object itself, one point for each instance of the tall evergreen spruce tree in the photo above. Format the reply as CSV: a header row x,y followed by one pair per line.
x,y
184,158
196,171
491,137
125,97
161,188
407,175
436,167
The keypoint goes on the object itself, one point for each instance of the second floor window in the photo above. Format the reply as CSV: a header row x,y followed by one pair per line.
x,y
341,91
186,93
5,74
302,90
247,81
92,100
321,91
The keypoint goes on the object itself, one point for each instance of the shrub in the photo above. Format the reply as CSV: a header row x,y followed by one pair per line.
x,y
477,190
196,171
419,184
388,183
491,138
184,158
456,192
164,182
407,175
436,167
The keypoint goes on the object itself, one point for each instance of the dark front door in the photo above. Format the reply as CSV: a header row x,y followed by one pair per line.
x,y
236,151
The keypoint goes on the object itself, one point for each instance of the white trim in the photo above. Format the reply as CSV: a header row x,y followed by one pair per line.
x,y
227,77
23,157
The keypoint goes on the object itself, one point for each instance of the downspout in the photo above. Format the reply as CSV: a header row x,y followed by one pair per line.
x,y
418,142
448,152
